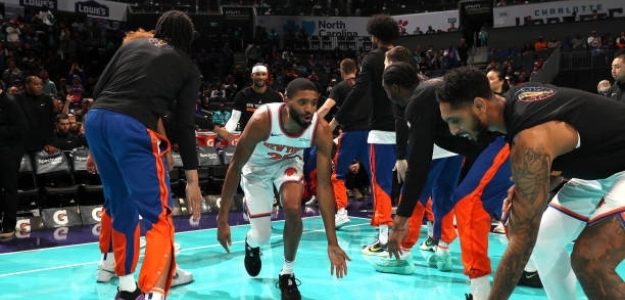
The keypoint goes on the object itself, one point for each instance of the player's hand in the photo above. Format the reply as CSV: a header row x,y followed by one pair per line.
x,y
338,261
194,199
90,164
169,158
224,134
396,236
223,235
507,205
50,149
401,165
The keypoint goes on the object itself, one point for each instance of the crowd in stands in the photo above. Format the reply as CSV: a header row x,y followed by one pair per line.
x,y
318,7
68,52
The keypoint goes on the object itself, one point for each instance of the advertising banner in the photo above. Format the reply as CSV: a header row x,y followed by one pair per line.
x,y
555,12
101,9
354,26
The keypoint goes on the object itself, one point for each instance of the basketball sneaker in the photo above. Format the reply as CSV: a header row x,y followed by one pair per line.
x,y
375,249
181,277
104,274
403,266
136,295
288,287
530,279
429,244
341,218
252,260
312,202
441,261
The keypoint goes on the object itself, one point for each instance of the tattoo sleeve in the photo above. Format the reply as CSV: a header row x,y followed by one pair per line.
x,y
530,172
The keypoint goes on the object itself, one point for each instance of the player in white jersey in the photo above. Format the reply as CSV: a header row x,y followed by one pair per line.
x,y
269,154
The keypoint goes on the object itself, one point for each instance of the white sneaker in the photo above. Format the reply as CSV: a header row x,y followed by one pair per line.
x,y
313,201
104,274
181,277
341,218
499,228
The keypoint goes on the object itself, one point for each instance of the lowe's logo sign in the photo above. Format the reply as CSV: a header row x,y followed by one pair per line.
x,y
46,4
92,8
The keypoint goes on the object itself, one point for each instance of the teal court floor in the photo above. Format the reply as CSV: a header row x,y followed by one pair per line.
x,y
68,272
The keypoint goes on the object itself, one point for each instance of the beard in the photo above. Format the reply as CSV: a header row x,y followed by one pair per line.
x,y
478,128
298,118
260,83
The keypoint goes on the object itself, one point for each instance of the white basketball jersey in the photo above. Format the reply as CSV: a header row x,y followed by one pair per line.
x,y
280,145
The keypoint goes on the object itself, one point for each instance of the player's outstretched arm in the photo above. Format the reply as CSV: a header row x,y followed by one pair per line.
x,y
256,131
531,157
325,195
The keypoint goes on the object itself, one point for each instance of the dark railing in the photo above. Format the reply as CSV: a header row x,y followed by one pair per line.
x,y
586,59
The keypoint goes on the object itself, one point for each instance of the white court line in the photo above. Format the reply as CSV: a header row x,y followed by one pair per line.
x,y
141,255
182,232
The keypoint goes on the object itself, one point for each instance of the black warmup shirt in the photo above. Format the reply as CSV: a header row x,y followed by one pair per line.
x,y
600,124
356,118
147,79
426,129
247,101
40,119
368,94
616,91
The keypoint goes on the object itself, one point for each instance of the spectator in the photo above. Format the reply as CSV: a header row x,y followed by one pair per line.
x,y
76,91
620,41
49,88
603,87
221,116
540,44
12,73
63,138
40,116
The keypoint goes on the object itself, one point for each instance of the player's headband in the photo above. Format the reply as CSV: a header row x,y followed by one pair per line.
x,y
259,69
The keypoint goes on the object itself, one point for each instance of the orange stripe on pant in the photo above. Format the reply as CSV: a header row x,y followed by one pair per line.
x,y
414,226
474,223
158,251
382,206
106,225
340,190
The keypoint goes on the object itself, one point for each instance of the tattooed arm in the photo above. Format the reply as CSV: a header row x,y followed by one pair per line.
x,y
531,157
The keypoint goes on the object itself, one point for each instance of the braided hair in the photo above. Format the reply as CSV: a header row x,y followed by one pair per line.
x,y
176,28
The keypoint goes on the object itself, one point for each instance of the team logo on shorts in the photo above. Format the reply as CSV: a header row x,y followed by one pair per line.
x,y
290,171
534,93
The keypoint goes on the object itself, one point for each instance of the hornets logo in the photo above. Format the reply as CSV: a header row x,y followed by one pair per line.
x,y
533,94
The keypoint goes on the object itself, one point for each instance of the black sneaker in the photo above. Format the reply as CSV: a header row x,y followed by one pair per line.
x,y
468,296
136,295
252,260
530,279
288,287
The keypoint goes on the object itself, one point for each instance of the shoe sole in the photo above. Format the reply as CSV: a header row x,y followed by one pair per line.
x,y
396,270
366,251
107,277
407,269
174,284
341,224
